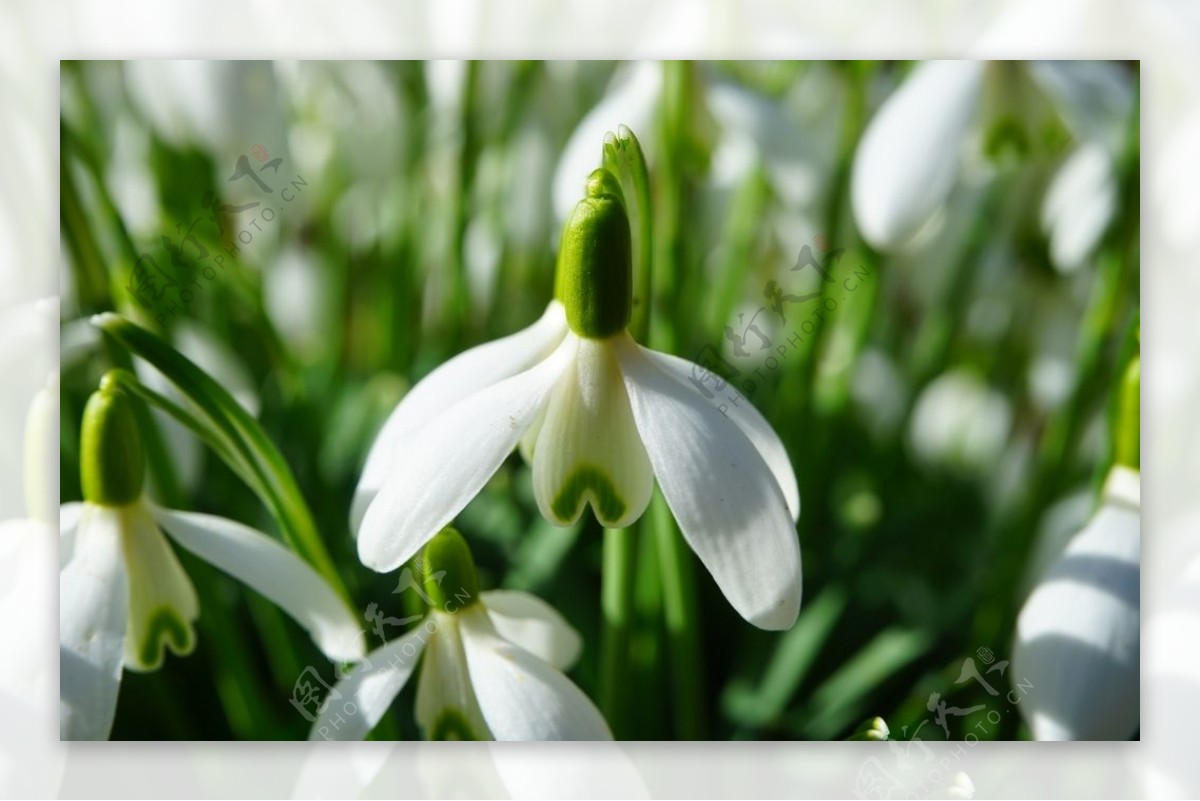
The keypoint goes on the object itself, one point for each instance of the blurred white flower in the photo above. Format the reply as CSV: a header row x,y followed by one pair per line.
x,y
1076,658
752,129
1079,204
225,107
28,343
908,157
911,153
960,422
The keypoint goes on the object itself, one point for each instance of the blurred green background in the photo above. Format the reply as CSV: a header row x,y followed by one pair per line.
x,y
947,420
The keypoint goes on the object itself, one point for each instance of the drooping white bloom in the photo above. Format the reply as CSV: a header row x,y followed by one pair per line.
x,y
124,598
1076,660
123,595
911,152
909,155
600,418
491,666
1079,204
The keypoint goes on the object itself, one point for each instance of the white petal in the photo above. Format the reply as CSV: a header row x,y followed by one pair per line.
x,y
632,103
162,601
69,515
533,624
446,705
268,567
1079,204
522,697
449,460
358,702
909,154
588,449
462,376
1076,657
729,506
744,416
93,603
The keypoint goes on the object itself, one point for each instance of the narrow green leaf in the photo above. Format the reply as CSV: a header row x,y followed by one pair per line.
x,y
838,701
247,441
789,664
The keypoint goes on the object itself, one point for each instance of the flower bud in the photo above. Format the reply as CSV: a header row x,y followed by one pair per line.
x,y
595,261
449,572
112,463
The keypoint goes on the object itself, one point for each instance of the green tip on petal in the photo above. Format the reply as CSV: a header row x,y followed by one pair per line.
x,y
447,572
595,261
112,463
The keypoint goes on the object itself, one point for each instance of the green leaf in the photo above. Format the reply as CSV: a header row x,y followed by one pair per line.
x,y
838,701
789,664
235,436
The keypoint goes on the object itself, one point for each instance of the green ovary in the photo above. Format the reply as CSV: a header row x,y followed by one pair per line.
x,y
594,484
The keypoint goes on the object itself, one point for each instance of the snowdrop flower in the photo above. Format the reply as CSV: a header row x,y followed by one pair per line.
x,y
600,418
1076,656
910,153
908,157
490,665
123,595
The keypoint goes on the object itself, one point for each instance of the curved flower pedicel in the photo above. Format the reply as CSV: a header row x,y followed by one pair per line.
x,y
124,597
491,666
600,418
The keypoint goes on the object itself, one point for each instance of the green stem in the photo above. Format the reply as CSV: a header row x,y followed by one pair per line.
x,y
683,634
616,601
680,608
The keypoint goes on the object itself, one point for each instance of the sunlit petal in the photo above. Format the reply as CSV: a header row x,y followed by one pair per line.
x,y
909,154
465,374
729,506
745,417
449,460
522,697
268,567
533,624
